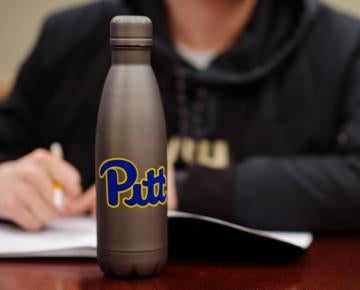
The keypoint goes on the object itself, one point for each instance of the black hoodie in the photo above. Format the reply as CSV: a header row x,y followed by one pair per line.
x,y
284,101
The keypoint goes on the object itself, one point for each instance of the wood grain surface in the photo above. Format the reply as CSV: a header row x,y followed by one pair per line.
x,y
330,263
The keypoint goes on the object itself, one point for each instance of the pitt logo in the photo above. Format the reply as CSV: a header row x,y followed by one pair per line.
x,y
150,191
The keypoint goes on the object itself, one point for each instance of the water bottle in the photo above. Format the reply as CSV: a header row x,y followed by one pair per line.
x,y
131,158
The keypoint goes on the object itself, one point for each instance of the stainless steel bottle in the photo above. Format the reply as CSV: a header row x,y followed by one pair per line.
x,y
131,157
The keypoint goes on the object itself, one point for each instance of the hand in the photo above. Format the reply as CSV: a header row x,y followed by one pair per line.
x,y
173,203
26,188
84,203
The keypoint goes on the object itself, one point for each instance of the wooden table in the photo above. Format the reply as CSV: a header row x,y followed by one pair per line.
x,y
330,263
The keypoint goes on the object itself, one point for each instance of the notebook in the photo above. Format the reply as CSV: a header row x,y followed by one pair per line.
x,y
188,234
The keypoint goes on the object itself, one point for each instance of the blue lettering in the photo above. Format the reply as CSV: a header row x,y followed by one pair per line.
x,y
151,191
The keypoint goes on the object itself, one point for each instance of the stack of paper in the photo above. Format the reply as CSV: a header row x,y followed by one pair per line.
x,y
76,237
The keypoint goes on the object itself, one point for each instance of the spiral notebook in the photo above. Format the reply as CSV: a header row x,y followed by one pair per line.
x,y
188,234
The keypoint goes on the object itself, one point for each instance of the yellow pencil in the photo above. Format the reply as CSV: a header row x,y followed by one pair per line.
x,y
58,191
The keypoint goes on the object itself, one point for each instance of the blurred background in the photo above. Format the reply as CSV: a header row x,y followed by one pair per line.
x,y
21,20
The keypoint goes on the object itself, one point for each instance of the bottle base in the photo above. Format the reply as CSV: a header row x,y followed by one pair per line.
x,y
132,264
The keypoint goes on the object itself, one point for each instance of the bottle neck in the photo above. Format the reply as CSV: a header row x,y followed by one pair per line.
x,y
130,55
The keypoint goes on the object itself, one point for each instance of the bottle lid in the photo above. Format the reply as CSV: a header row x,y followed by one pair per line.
x,y
128,30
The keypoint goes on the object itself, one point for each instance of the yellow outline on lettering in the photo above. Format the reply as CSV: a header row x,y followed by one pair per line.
x,y
117,177
143,195
147,192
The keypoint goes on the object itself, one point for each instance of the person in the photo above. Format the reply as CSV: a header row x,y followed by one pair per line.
x,y
262,104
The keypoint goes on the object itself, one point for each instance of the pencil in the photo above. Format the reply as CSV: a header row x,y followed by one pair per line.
x,y
58,193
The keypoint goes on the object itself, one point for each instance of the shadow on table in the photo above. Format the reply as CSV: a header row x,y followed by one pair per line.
x,y
212,242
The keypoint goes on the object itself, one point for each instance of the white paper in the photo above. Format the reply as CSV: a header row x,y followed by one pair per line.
x,y
71,237
76,237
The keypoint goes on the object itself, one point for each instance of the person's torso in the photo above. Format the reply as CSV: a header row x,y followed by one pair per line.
x,y
293,110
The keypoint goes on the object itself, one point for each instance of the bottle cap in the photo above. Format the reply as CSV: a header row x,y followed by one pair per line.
x,y
128,30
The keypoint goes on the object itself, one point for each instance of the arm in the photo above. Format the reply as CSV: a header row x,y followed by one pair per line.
x,y
25,123
26,184
319,193
20,114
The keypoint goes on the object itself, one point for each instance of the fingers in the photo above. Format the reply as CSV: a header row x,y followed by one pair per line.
x,y
40,208
173,202
14,210
58,170
27,189
37,179
93,208
25,219
83,203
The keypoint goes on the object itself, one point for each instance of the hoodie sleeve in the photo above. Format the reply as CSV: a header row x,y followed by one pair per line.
x,y
19,113
309,192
